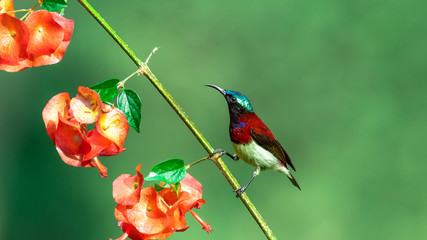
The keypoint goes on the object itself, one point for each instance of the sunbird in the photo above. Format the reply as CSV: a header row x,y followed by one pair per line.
x,y
252,140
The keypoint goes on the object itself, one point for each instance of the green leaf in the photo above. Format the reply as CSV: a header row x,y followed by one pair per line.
x,y
107,90
130,104
169,171
158,188
54,5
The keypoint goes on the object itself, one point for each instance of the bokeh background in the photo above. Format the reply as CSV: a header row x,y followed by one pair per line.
x,y
342,84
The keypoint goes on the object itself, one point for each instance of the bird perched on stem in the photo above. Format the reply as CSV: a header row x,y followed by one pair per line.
x,y
252,140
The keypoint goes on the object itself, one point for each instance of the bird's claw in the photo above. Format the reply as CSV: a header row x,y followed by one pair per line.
x,y
234,157
239,191
220,152
217,154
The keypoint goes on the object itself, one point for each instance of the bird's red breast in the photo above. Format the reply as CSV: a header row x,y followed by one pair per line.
x,y
240,130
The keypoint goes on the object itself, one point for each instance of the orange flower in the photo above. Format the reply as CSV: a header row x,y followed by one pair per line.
x,y
41,40
156,215
66,124
45,33
50,36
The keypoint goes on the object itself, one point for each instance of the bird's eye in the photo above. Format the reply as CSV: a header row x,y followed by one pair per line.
x,y
233,100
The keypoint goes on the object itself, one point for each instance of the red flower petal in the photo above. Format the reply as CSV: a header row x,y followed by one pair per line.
x,y
16,68
133,233
194,189
127,188
86,106
7,6
167,232
14,38
120,213
59,103
66,24
41,60
146,216
111,150
73,160
97,142
45,33
177,217
70,139
169,196
192,186
190,196
114,126
179,206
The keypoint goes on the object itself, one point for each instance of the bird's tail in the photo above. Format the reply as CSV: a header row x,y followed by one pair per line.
x,y
293,180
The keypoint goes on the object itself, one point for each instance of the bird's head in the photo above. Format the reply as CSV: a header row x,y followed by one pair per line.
x,y
237,102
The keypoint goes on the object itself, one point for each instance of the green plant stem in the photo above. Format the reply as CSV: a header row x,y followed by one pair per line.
x,y
122,83
196,162
175,106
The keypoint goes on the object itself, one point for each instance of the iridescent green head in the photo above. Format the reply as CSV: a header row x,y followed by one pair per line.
x,y
237,102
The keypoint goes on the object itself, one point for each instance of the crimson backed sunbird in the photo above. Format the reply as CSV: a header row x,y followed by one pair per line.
x,y
252,140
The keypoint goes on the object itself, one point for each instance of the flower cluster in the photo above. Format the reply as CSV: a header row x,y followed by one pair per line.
x,y
39,40
144,213
66,124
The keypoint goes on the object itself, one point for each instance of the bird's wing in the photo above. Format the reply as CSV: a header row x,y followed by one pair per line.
x,y
271,145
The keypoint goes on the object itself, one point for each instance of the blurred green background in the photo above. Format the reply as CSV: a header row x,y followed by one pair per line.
x,y
342,84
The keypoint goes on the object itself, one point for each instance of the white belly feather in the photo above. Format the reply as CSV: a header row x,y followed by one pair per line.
x,y
255,155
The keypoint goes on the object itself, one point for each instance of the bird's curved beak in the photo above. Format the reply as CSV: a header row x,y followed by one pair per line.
x,y
222,90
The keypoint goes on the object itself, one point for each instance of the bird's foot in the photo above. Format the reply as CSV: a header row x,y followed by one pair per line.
x,y
234,157
220,152
239,191
217,154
